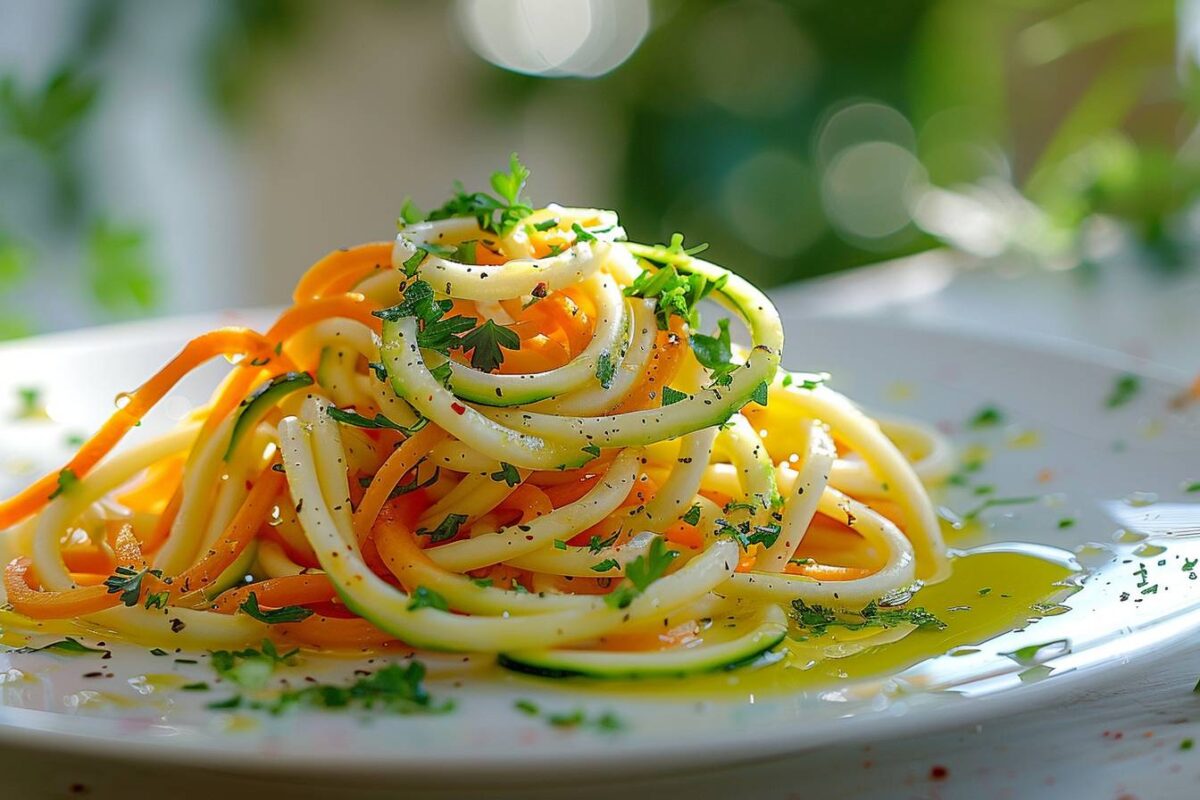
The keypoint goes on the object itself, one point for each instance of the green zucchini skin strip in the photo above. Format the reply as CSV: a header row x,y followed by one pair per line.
x,y
260,401
681,662
412,381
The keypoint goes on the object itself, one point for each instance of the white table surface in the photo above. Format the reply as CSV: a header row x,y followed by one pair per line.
x,y
1120,742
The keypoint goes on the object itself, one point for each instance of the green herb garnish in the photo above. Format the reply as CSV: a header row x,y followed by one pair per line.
x,y
274,616
423,597
1124,389
446,529
641,572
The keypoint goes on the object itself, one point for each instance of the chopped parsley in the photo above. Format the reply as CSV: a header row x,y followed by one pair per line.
x,y
494,214
641,572
413,263
596,544
485,342
1192,488
986,417
409,214
250,668
434,330
606,565
29,401
760,394
410,485
393,688
675,294
745,534
692,517
817,619
66,479
128,582
378,422
581,235
559,544
274,616
591,449
1066,522
606,370
427,598
672,396
446,529
606,722
67,646
715,353
507,473
1124,389
546,225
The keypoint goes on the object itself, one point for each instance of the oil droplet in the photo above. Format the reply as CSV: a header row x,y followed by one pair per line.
x,y
122,399
1149,550
1129,537
241,723
1141,499
1024,440
963,651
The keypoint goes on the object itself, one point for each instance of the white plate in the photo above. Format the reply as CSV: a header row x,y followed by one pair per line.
x,y
1098,457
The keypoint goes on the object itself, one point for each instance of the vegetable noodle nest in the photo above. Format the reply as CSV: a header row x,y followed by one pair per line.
x,y
505,432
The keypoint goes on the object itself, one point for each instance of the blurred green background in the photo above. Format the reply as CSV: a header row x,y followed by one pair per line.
x,y
174,156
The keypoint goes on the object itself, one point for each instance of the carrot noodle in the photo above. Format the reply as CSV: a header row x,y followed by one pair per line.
x,y
528,451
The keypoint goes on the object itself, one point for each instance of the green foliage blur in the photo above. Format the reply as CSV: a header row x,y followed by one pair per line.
x,y
798,137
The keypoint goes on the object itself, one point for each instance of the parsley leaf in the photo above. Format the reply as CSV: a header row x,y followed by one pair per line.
x,y
760,394
507,473
675,294
986,417
596,544
378,422
745,535
591,449
605,369
1124,390
716,353
546,225
409,214
641,572
427,598
275,616
66,479
606,565
581,235
128,582
692,517
511,207
672,396
485,342
446,529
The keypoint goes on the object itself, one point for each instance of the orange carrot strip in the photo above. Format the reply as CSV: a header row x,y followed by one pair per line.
x,y
224,341
289,590
242,528
334,633
342,269
531,501
31,602
389,475
664,364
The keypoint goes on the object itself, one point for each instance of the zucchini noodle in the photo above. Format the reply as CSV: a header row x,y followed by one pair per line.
x,y
506,435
